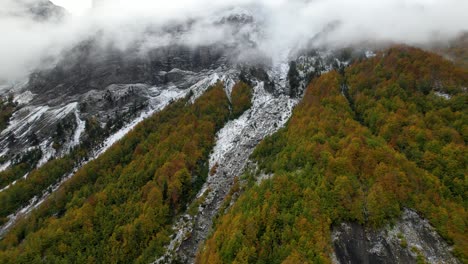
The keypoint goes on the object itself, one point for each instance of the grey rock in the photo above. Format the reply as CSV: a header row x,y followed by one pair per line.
x,y
412,237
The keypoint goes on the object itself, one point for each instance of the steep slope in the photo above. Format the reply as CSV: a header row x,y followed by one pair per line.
x,y
416,101
121,153
326,167
32,186
113,89
271,107
65,116
118,207
235,142
72,113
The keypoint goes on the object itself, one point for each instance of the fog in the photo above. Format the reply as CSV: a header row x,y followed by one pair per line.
x,y
281,25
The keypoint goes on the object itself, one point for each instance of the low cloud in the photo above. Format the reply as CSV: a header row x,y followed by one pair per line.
x,y
280,26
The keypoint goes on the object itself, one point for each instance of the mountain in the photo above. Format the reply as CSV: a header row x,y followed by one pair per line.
x,y
359,151
217,153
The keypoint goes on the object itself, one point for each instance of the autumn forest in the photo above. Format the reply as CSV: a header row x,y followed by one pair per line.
x,y
365,142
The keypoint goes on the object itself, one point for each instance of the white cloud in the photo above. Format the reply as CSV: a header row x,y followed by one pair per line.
x,y
284,24
77,7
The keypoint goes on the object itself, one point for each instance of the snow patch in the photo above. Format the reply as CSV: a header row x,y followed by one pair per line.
x,y
370,54
446,96
24,98
227,78
61,112
13,183
263,177
24,118
47,152
164,98
226,138
229,83
201,86
4,151
79,130
5,166
33,204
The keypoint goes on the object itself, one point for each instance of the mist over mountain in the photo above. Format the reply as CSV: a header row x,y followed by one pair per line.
x,y
279,26
242,131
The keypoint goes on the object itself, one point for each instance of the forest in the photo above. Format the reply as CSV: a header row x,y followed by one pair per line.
x,y
367,141
389,133
417,103
119,207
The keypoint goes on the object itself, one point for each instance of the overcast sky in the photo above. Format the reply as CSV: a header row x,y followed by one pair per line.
x,y
284,22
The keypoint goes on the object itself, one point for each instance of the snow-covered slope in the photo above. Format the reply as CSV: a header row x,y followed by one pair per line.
x,y
235,142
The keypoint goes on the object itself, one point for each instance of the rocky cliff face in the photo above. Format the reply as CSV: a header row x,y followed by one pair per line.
x,y
53,103
110,86
410,240
114,86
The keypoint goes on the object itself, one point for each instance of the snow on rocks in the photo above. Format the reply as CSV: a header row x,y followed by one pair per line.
x,y
79,130
22,120
47,152
370,54
443,95
234,145
163,98
160,101
156,103
31,119
158,98
24,98
200,87
5,166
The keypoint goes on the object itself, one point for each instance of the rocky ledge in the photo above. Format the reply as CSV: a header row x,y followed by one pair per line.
x,y
410,240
